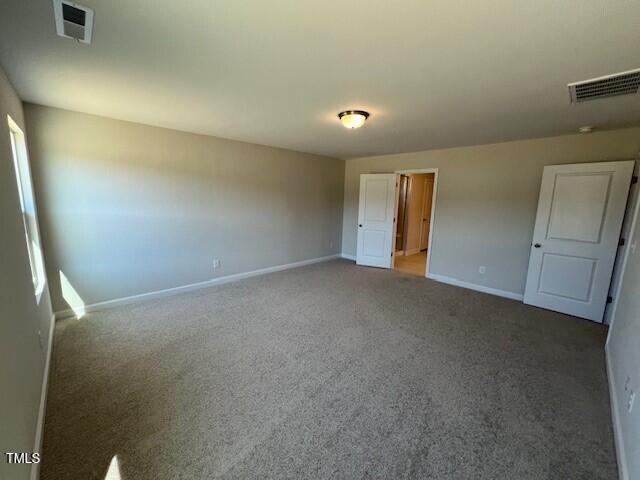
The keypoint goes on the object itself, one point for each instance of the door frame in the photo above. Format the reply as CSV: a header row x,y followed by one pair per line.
x,y
434,196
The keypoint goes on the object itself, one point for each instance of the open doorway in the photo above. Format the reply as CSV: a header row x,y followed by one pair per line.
x,y
416,192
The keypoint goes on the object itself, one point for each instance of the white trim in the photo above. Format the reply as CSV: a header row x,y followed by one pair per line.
x,y
434,196
20,156
348,257
621,457
37,445
623,268
413,251
631,212
474,286
193,286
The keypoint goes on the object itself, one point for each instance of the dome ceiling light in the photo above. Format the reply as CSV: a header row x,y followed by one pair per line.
x,y
353,118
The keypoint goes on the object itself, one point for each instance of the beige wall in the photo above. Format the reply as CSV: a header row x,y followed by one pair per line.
x,y
486,200
128,209
22,356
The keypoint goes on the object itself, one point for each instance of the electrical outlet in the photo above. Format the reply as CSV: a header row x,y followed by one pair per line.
x,y
632,398
216,263
633,247
482,270
330,245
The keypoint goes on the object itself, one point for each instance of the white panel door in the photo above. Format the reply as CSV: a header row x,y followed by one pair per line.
x,y
580,213
376,219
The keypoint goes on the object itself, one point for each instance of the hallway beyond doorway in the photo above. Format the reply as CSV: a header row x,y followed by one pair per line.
x,y
414,264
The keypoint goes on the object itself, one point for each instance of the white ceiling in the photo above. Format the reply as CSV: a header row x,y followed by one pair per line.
x,y
433,73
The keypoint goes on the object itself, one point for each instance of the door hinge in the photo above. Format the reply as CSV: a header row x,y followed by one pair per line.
x,y
634,180
609,299
621,242
392,254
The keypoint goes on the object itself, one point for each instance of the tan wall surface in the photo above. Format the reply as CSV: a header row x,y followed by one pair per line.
x,y
128,209
23,359
487,199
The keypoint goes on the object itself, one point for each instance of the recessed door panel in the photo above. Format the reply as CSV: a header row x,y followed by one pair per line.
x,y
377,191
579,205
567,276
374,243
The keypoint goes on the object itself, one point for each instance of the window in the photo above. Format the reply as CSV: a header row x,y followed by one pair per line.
x,y
28,206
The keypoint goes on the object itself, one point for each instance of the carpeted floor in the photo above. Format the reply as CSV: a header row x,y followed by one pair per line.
x,y
329,371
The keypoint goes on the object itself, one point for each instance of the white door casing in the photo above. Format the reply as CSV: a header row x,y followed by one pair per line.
x,y
426,212
376,219
577,230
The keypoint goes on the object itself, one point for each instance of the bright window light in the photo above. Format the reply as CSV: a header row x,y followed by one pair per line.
x,y
114,470
28,206
71,296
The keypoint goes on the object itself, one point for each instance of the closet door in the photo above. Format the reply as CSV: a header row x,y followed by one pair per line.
x,y
377,219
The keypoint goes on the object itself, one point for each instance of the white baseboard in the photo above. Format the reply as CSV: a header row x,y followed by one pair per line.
x,y
193,286
413,251
623,474
348,257
475,286
37,445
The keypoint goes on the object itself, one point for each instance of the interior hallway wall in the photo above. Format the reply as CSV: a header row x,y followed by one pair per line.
x,y
128,209
414,212
23,354
487,199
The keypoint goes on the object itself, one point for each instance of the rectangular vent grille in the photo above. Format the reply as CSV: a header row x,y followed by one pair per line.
x,y
74,15
624,83
73,20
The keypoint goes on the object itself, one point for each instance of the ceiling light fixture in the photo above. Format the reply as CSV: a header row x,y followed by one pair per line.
x,y
353,118
586,129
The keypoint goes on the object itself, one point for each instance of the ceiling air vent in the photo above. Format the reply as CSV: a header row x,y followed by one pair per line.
x,y
624,83
73,20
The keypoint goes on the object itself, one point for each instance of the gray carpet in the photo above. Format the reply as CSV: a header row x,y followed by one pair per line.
x,y
329,371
